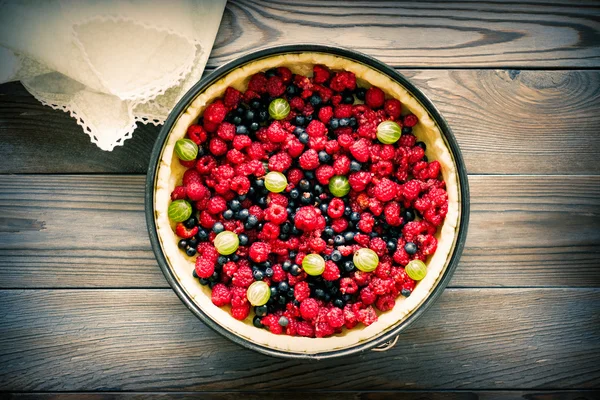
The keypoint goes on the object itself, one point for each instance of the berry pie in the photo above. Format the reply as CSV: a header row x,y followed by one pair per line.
x,y
306,202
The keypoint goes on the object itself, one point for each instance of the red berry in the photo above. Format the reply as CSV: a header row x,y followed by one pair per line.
x,y
393,108
360,150
178,193
276,133
197,134
216,205
184,232
275,86
240,313
258,83
301,291
240,185
204,268
324,173
232,97
385,190
335,317
309,160
226,131
331,272
336,208
410,120
217,146
215,113
320,73
243,277
367,316
277,214
280,162
374,97
220,296
259,251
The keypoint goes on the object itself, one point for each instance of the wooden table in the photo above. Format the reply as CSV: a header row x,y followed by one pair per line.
x,y
84,307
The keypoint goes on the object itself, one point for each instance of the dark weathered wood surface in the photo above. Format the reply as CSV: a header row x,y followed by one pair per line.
x,y
89,231
84,306
147,339
506,122
428,33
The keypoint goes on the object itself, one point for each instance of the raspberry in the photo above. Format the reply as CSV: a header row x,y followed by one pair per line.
x,y
320,73
316,128
309,308
235,156
348,286
379,246
307,218
331,272
216,205
359,180
277,198
256,151
277,214
367,316
410,190
341,165
360,150
197,134
184,232
257,212
240,142
232,97
391,213
204,268
381,286
269,231
223,187
366,223
215,113
322,327
250,95
410,120
217,146
362,239
190,176
416,154
240,313
332,146
207,220
259,251
367,296
374,97
305,329
210,126
385,190
350,320
294,176
382,168
336,208
317,244
205,165
301,291
243,277
279,274
294,148
343,80
393,108
325,114
424,170
414,228
375,206
178,193
276,132
324,173
383,270
280,162
188,164
309,160
220,295
296,103
285,74
240,185
275,86
339,225
258,83
427,244
335,317
226,131
345,141
362,278
229,269
317,143
343,111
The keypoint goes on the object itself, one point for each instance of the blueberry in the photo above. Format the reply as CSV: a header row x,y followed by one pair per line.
x,y
295,231
283,321
425,159
240,110
315,100
252,221
410,248
194,274
391,246
249,116
292,90
256,322
405,292
347,98
318,189
254,126
408,215
263,115
286,227
309,175
355,166
241,130
348,236
235,205
355,217
304,185
228,214
339,240
336,256
324,157
281,300
190,251
344,122
334,123
298,131
193,242
299,120
353,122
260,183
258,275
348,266
182,244
243,239
262,201
287,264
218,227
373,235
202,235
261,311
274,291
327,298
295,270
222,260
319,293
406,130
422,145
237,120
283,287
255,104
339,303
303,138
360,93
235,258
323,208
292,254
204,282
190,223
268,272
328,232
347,211
307,198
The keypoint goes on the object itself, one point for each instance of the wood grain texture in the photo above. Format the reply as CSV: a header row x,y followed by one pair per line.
x,y
421,34
112,340
505,121
331,395
89,231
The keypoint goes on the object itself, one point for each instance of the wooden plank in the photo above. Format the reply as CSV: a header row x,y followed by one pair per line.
x,y
89,231
341,395
112,340
405,34
506,122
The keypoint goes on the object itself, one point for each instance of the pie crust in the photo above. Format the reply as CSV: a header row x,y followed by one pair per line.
x,y
170,173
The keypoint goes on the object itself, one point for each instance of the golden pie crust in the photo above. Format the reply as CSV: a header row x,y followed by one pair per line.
x,y
170,173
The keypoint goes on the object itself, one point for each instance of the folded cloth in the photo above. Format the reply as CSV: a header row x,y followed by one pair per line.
x,y
109,64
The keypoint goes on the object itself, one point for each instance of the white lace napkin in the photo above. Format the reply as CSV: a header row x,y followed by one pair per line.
x,y
108,63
